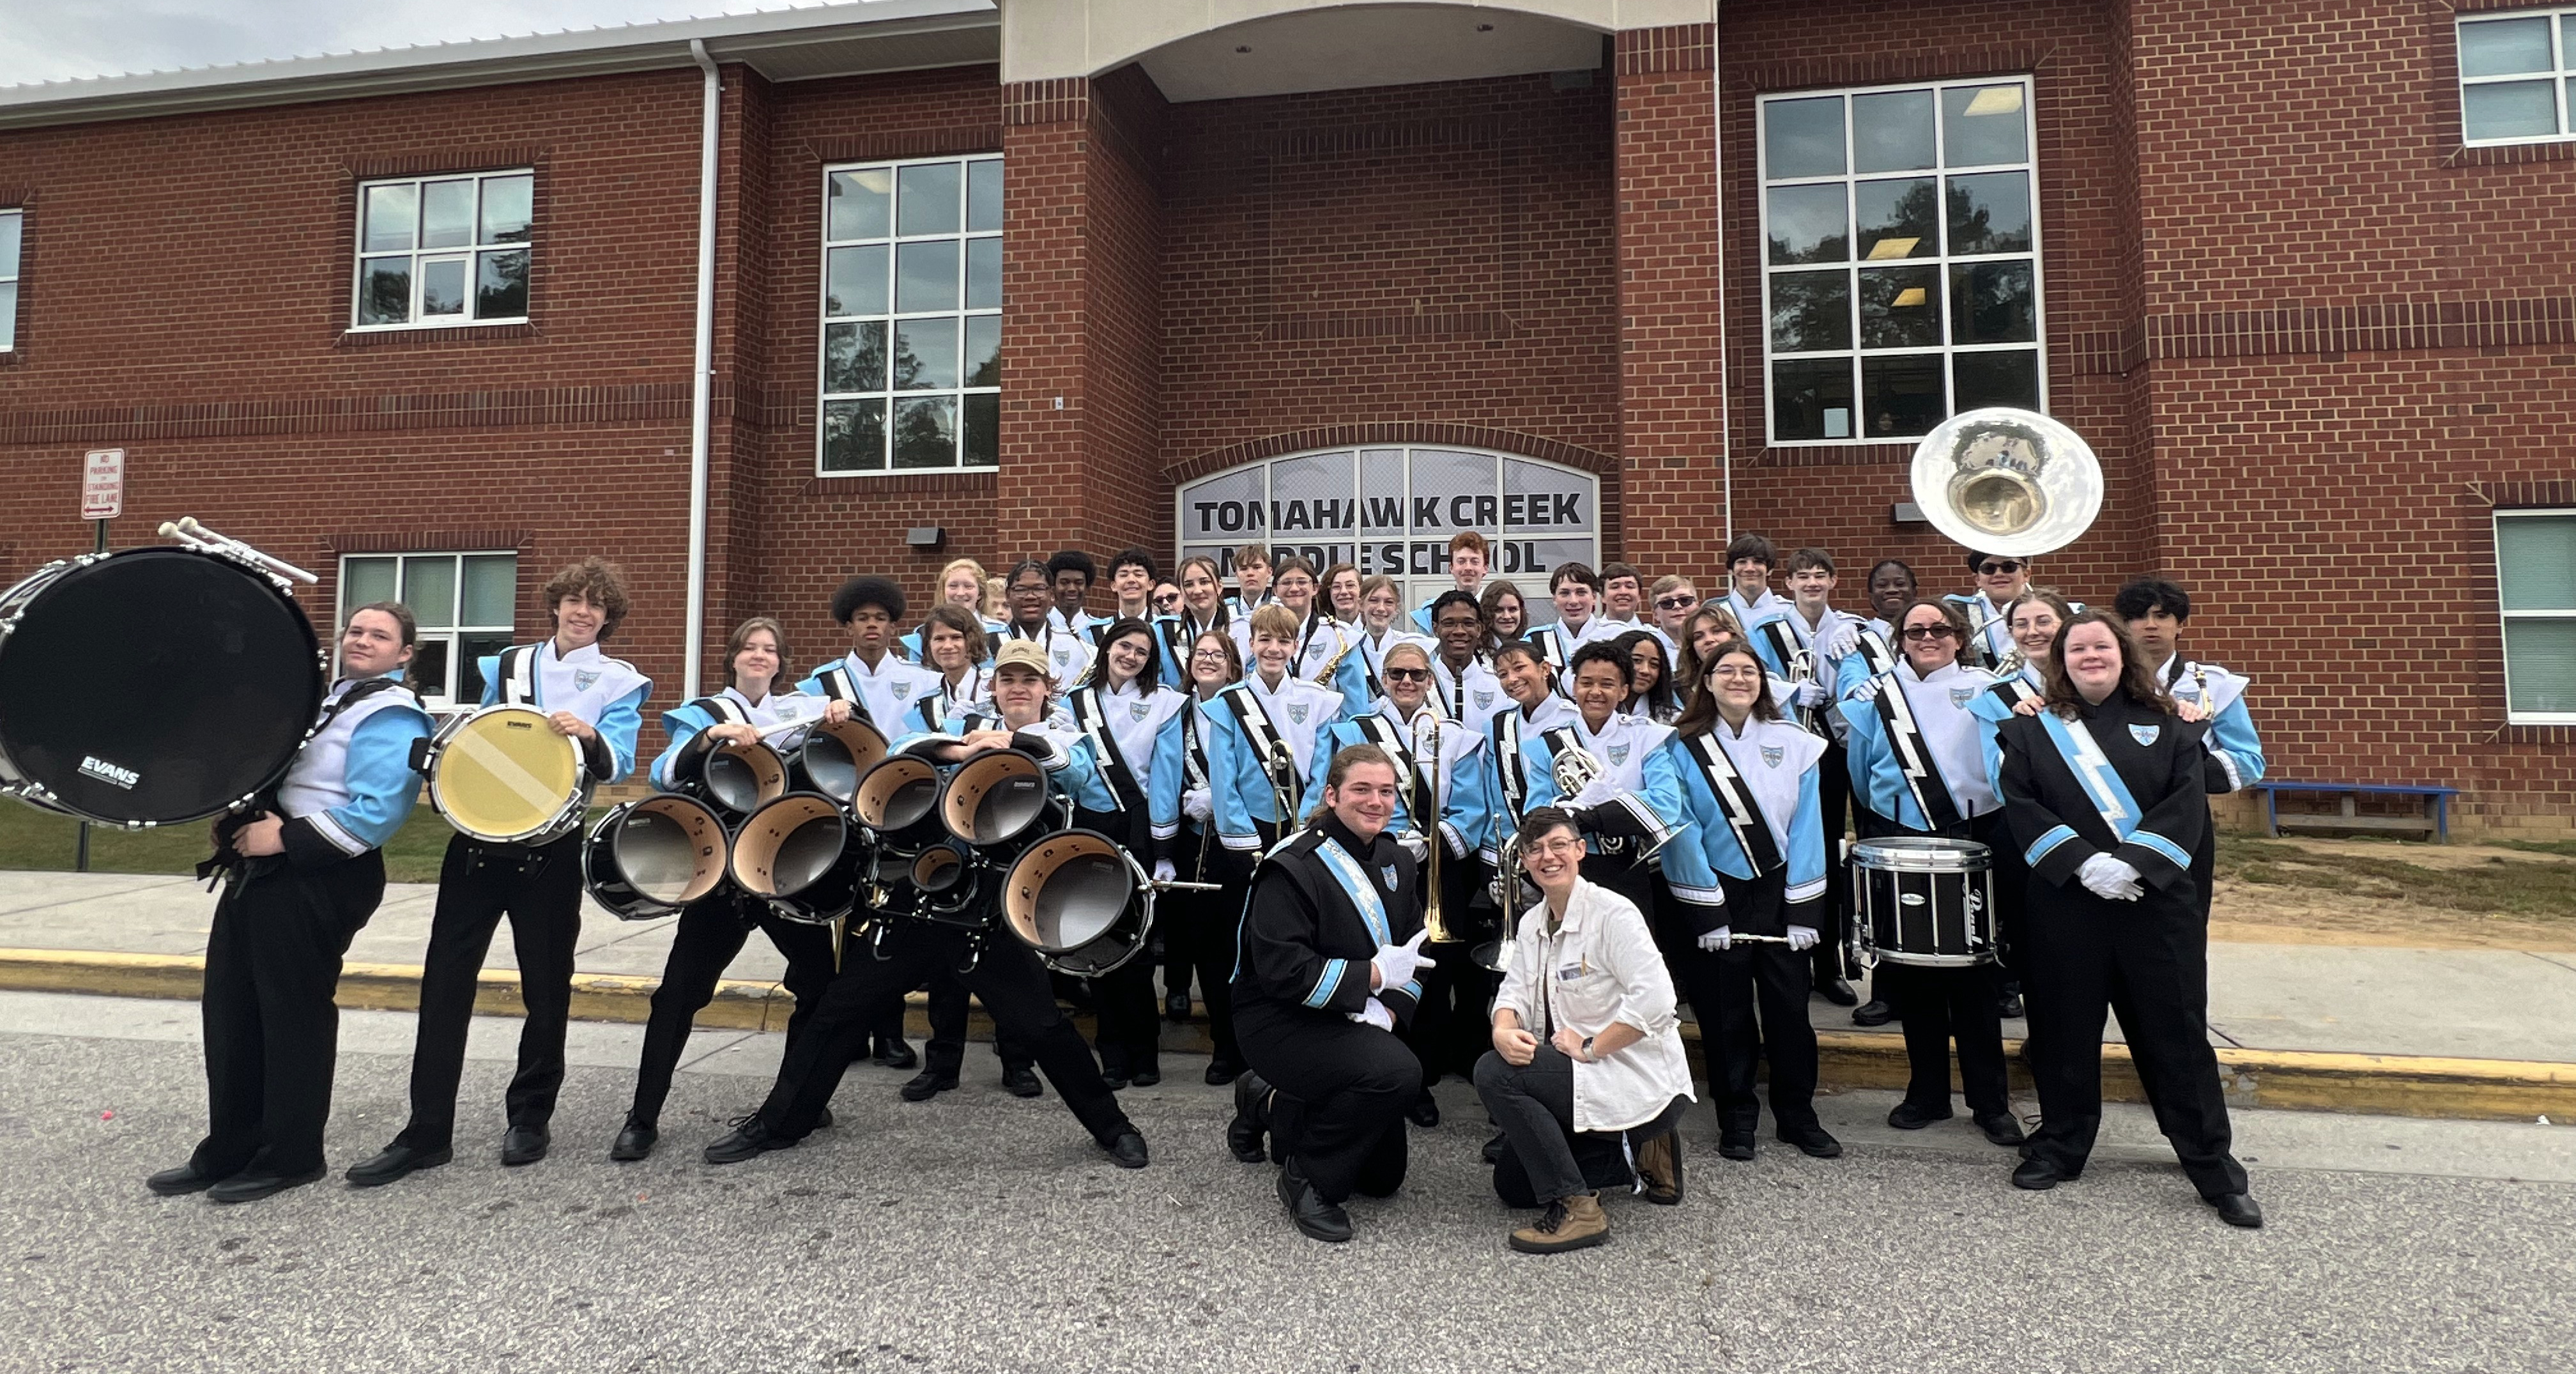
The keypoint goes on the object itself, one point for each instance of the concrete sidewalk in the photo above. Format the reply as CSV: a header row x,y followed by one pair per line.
x,y
2437,1032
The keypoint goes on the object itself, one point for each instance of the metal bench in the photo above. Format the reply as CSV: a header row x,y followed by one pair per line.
x,y
2434,819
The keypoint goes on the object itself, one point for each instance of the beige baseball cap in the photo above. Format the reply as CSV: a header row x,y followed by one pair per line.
x,y
1023,653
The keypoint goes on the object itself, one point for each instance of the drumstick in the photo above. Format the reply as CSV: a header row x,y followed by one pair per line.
x,y
187,531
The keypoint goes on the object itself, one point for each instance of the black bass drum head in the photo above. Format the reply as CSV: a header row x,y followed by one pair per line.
x,y
157,686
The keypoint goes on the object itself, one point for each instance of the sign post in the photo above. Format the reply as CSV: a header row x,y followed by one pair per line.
x,y
102,500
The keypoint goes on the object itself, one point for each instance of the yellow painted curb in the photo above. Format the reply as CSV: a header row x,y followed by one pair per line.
x,y
2375,1084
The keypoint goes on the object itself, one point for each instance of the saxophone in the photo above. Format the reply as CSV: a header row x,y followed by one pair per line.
x,y
1324,676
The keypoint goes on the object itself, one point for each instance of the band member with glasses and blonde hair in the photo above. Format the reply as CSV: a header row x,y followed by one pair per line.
x,y
1199,928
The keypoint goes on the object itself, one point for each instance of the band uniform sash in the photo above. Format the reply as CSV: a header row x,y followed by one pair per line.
x,y
1269,747
2093,772
1354,882
1421,794
1914,757
1743,814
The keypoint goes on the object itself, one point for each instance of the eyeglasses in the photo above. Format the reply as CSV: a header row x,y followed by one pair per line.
x,y
1675,603
1559,845
1407,674
2004,565
1208,656
1739,670
1931,632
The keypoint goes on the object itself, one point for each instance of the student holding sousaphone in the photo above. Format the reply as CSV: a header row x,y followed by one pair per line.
x,y
596,702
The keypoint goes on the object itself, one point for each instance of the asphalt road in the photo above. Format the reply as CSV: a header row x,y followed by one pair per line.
x,y
980,1232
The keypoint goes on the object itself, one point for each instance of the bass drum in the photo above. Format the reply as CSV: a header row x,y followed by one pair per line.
x,y
152,686
652,858
1081,901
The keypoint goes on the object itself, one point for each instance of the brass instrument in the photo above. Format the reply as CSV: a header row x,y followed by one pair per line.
x,y
1280,764
2011,665
1324,676
1575,769
1802,670
1427,726
1496,955
2009,482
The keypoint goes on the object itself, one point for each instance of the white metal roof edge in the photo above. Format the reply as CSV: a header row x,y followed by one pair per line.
x,y
484,62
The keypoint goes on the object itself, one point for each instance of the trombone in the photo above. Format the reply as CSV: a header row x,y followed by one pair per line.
x,y
1427,727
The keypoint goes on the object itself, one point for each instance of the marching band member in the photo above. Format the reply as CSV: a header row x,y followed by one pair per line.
x,y
1709,628
1463,686
1440,799
1751,864
1252,577
1623,599
961,583
2000,581
1134,726
1199,932
1070,573
595,700
1378,603
711,930
1891,590
1166,597
1632,803
1805,647
2034,623
1327,651
1586,1043
1202,610
1341,583
2156,611
1132,573
1652,695
1506,615
958,650
1674,598
302,875
1533,706
1029,592
1468,555
1918,758
1577,592
1749,561
1332,946
2105,793
1004,974
1261,736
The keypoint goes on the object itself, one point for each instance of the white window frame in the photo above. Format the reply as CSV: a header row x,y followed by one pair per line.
x,y
471,252
893,240
2562,49
9,278
2506,618
1939,262
440,696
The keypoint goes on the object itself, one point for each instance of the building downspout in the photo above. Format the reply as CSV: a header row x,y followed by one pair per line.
x,y
1717,122
701,382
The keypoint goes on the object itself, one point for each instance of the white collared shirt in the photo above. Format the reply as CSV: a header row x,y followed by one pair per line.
x,y
1599,967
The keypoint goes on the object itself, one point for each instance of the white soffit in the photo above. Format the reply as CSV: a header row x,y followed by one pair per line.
x,y
1380,45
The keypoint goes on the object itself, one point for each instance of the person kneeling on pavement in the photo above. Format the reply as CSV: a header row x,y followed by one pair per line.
x,y
1587,1077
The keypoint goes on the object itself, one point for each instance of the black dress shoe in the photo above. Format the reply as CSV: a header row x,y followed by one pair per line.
x,y
823,1120
1116,1078
2001,1129
1320,1220
2236,1209
896,1053
1222,1071
1873,1012
1127,1151
1146,1075
1243,1133
636,1141
1735,1147
253,1187
1425,1111
524,1145
1176,1006
392,1164
2010,1007
179,1182
1814,1141
1905,1116
1021,1080
1837,991
927,1084
751,1138
2038,1175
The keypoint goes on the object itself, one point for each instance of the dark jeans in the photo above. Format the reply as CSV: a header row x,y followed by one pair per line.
x,y
272,1031
1545,1158
539,889
1343,1088
710,933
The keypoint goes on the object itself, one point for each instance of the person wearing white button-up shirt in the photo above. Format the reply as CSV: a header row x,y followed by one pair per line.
x,y
1586,1043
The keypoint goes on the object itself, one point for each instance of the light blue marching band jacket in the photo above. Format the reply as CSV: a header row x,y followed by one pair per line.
x,y
1457,777
1755,807
1761,608
1777,639
931,710
605,692
1646,801
1556,645
685,723
1994,706
1173,635
352,785
1241,724
1507,768
1318,640
2235,751
1133,734
882,695
1064,754
1916,748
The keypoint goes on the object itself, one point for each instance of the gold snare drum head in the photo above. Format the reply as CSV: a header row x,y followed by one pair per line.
x,y
504,773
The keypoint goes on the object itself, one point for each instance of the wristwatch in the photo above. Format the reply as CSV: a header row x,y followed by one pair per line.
x,y
1587,1051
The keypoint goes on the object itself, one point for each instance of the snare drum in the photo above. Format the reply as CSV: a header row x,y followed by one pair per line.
x,y
502,775
1081,901
1924,901
152,686
648,859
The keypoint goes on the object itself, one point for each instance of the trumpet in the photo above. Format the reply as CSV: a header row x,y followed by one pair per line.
x,y
2010,665
187,531
1280,765
1496,956
1802,670
1426,761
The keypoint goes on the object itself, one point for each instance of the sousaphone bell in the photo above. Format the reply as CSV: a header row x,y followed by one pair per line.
x,y
2006,481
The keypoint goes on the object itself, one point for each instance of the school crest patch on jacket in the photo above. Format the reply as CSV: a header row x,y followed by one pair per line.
x,y
1484,701
1961,696
902,690
1618,755
2145,734
1388,873
583,679
1772,754
1297,713
1137,710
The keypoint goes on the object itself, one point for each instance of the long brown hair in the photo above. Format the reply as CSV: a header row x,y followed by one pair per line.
x,y
1689,669
1701,716
2137,679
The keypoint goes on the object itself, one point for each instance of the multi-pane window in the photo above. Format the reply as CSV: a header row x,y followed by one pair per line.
x,y
443,250
2536,583
912,316
2518,77
1900,259
463,601
12,224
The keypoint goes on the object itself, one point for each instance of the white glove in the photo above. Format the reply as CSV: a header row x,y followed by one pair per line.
x,y
1802,937
1414,844
1598,792
1396,963
1197,804
1868,689
1717,939
1811,694
1374,1013
1164,872
1839,644
2109,878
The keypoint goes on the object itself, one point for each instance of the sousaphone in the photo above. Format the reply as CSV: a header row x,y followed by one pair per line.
x,y
2009,482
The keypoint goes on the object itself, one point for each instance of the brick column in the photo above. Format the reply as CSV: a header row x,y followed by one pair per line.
x,y
1082,338
1671,430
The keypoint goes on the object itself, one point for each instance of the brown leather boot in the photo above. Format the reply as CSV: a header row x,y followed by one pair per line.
x,y
1570,1224
1659,1167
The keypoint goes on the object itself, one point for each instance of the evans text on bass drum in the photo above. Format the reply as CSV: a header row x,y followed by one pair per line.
x,y
1924,901
152,686
502,775
650,858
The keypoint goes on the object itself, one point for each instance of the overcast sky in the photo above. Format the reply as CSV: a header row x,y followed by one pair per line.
x,y
55,40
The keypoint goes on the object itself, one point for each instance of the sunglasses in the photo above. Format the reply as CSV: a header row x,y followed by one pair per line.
x,y
1675,603
1931,632
2001,566
1407,674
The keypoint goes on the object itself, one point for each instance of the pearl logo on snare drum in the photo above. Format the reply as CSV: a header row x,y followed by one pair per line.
x,y
109,773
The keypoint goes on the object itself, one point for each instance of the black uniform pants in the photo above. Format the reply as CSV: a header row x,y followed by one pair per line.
x,y
1937,1005
1007,978
539,889
2146,962
1211,924
710,933
1343,1088
1450,1030
272,1031
1726,988
946,1052
1833,786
